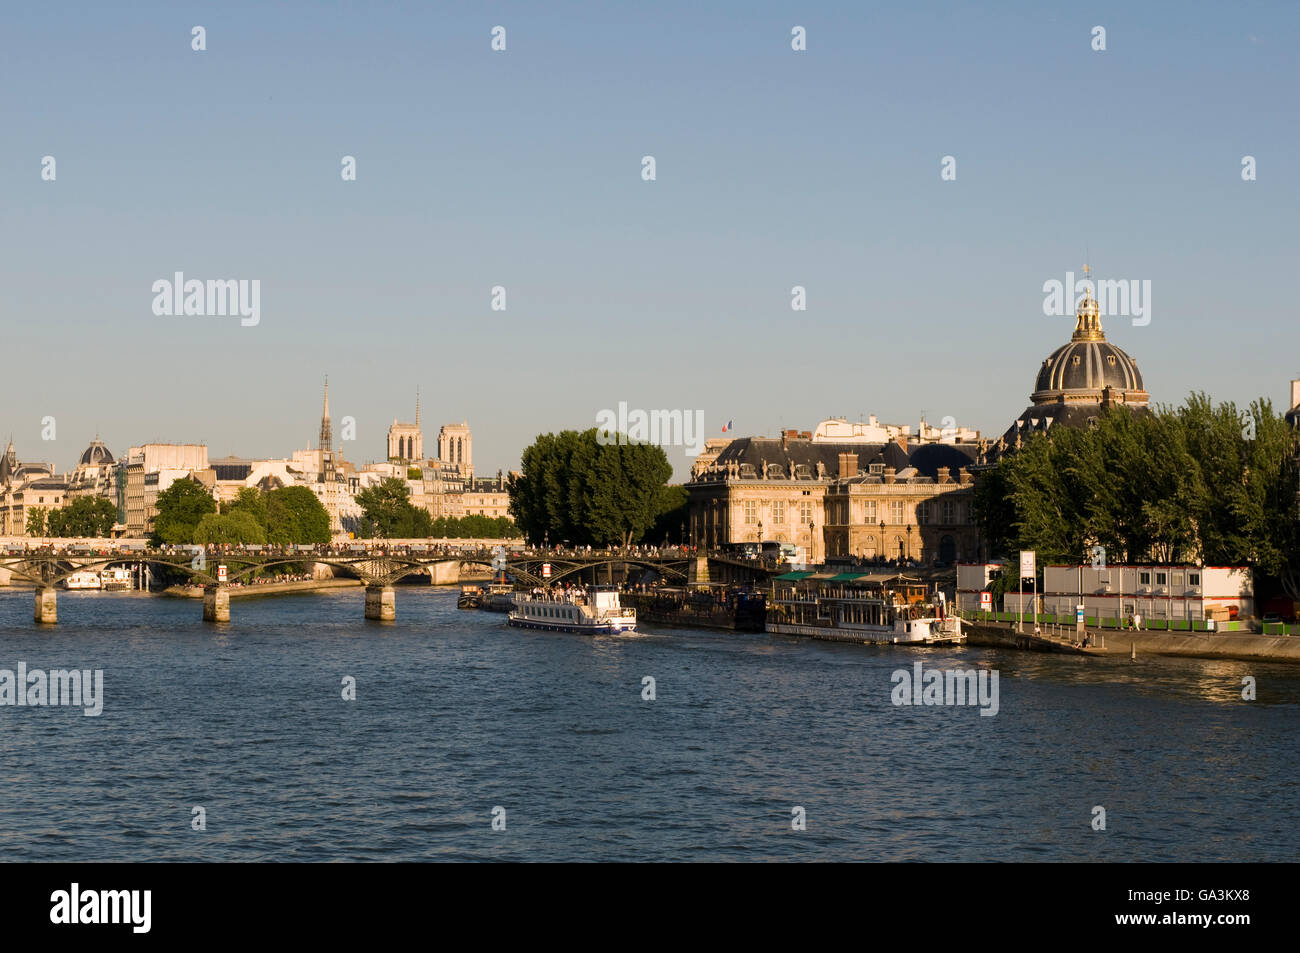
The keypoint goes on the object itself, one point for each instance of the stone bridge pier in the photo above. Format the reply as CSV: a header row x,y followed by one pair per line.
x,y
216,604
381,603
47,605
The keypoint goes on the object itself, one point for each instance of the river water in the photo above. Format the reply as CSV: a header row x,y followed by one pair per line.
x,y
456,715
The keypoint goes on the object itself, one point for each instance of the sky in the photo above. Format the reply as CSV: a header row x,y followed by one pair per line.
x,y
522,168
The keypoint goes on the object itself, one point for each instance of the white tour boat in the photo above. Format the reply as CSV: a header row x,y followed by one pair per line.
x,y
595,610
85,579
117,579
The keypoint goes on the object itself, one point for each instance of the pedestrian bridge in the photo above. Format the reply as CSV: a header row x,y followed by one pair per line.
x,y
378,568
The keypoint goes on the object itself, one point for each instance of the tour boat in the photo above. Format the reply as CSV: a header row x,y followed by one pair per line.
x,y
594,611
861,607
85,579
116,579
471,597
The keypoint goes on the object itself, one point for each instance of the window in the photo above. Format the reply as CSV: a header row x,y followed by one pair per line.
x,y
949,510
805,511
876,468
922,513
1144,578
1193,578
896,511
778,511
1162,578
869,511
751,511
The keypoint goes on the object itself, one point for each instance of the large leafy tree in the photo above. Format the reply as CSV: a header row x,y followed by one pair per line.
x,y
84,516
1199,483
387,512
37,520
237,527
180,509
294,514
572,487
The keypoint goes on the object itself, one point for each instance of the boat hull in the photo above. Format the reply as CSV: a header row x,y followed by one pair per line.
x,y
596,628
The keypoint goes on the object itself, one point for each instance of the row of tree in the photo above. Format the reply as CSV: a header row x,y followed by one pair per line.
x,y
91,516
573,487
1200,483
282,516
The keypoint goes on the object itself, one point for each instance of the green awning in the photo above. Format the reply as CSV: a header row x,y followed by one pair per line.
x,y
795,576
847,576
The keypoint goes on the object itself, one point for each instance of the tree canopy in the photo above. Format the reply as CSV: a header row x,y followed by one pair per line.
x,y
572,487
1199,483
84,516
180,509
388,513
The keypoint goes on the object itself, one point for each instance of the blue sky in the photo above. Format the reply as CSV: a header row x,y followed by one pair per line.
x,y
522,169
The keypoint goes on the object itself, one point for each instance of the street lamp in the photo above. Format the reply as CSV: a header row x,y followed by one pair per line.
x,y
880,553
909,542
812,543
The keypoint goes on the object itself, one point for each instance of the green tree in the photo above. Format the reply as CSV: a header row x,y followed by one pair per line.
x,y
294,514
180,508
571,486
37,520
237,527
84,516
387,512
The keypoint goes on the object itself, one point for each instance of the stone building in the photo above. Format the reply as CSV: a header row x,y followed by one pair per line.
x,y
815,495
150,469
25,487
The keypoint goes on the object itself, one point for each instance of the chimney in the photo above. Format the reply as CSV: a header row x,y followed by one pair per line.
x,y
966,478
1295,393
945,474
848,465
891,475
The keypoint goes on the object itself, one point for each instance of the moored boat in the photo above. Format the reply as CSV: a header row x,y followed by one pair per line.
x,y
116,579
85,579
595,610
471,597
861,607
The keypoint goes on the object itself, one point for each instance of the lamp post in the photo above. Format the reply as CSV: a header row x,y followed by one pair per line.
x,y
812,543
881,552
909,542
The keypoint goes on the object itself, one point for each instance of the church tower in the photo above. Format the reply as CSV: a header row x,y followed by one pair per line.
x,y
406,441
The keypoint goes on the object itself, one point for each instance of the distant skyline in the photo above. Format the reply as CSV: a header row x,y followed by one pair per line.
x,y
522,169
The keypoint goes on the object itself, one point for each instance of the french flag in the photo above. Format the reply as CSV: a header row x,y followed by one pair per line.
x,y
726,426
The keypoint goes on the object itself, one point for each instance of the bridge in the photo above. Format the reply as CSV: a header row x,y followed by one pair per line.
x,y
378,568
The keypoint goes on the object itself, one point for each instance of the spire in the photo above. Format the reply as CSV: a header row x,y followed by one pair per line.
x,y
326,430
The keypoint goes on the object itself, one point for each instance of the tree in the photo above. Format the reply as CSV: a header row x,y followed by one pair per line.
x,y
294,514
573,487
37,518
1200,483
180,508
87,516
237,527
387,512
